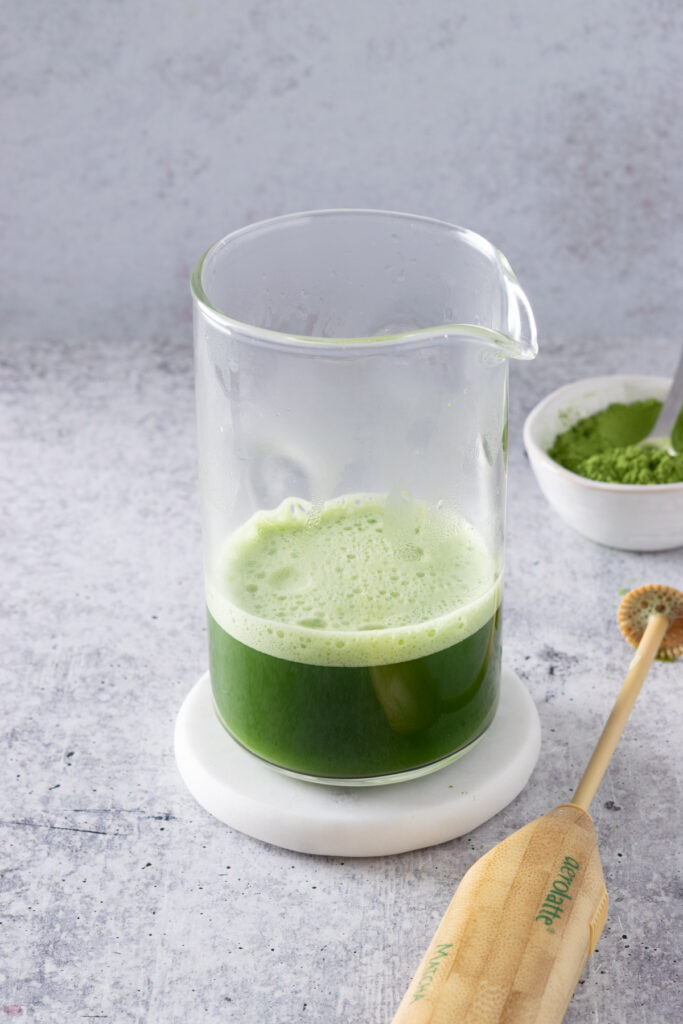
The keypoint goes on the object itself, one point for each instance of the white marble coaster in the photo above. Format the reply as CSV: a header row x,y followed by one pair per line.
x,y
362,821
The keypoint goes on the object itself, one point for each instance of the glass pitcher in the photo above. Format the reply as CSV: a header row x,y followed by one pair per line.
x,y
351,388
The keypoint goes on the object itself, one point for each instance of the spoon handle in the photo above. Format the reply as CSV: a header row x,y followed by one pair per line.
x,y
671,405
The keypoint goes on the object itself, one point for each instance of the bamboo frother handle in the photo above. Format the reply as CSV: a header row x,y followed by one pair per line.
x,y
513,942
606,745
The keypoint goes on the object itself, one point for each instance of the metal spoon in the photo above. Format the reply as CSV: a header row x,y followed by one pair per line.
x,y
660,435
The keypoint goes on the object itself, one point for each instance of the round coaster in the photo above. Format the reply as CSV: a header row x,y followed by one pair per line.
x,y
363,821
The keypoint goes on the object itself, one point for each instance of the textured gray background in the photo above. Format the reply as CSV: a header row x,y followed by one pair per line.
x,y
133,134
136,133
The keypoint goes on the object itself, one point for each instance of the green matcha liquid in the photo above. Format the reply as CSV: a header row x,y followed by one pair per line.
x,y
355,641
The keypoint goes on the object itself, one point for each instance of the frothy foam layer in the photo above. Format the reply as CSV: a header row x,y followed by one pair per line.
x,y
362,580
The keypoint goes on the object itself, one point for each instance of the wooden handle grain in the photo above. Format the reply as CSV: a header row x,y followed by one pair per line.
x,y
513,942
614,726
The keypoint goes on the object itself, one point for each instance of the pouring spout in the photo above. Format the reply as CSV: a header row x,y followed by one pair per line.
x,y
496,310
509,346
505,321
501,314
518,339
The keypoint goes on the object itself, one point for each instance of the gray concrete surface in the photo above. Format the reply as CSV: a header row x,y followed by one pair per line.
x,y
121,899
136,133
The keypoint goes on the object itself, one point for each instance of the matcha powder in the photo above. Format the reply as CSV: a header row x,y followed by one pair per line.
x,y
605,447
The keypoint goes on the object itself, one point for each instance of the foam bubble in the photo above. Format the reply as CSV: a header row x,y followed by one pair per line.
x,y
353,582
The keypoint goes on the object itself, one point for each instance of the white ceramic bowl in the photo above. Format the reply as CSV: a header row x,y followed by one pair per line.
x,y
629,516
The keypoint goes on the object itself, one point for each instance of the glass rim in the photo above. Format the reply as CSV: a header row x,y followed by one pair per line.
x,y
268,335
